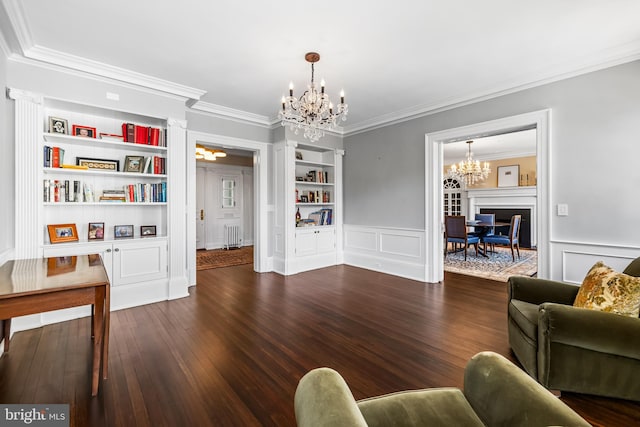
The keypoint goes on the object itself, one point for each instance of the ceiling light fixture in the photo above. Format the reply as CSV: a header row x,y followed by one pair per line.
x,y
469,171
203,153
312,112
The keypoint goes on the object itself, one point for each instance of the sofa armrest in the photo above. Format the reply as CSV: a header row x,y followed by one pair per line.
x,y
537,291
590,329
502,394
323,399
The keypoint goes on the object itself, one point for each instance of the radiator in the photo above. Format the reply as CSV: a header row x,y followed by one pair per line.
x,y
232,236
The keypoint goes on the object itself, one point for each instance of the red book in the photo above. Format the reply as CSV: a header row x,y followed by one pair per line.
x,y
55,157
128,132
156,164
154,136
141,134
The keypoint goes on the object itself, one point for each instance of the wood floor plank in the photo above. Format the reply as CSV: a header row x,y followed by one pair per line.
x,y
232,353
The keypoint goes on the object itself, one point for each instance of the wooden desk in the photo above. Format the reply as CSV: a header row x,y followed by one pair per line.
x,y
32,286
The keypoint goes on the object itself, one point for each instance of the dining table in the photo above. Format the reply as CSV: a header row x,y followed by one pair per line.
x,y
483,229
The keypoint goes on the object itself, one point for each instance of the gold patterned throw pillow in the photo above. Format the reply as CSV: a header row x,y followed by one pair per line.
x,y
604,289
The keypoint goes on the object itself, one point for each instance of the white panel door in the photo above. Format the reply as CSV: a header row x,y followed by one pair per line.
x,y
135,262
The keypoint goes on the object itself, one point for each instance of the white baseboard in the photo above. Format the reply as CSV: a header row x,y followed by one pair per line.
x,y
395,251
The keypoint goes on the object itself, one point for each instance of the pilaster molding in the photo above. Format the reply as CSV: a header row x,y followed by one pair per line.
x,y
177,123
340,151
25,95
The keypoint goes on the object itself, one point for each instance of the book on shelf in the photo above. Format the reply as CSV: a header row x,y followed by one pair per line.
x,y
53,157
62,191
140,134
111,137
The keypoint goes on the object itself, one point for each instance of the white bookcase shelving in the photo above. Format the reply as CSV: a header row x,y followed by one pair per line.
x,y
308,182
141,269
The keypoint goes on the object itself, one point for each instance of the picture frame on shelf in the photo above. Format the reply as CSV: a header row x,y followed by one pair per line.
x,y
84,131
61,233
57,125
299,155
508,176
147,230
99,164
304,199
96,231
134,164
123,231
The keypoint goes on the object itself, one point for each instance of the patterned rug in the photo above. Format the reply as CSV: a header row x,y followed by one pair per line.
x,y
217,258
498,266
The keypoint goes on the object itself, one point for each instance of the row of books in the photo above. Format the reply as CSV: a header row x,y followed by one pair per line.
x,y
313,197
147,135
53,157
75,191
318,176
322,217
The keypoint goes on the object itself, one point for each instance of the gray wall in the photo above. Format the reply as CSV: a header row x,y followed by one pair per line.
x,y
202,122
594,157
7,208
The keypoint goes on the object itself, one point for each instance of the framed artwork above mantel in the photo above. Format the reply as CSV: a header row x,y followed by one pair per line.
x,y
508,176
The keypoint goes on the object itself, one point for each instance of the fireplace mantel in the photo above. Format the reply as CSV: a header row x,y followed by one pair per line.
x,y
505,197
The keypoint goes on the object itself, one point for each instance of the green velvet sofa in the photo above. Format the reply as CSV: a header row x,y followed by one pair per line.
x,y
496,393
573,349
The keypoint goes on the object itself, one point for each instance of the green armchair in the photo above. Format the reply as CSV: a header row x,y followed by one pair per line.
x,y
496,393
573,349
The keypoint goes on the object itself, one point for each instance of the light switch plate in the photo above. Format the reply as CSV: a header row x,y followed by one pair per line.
x,y
563,209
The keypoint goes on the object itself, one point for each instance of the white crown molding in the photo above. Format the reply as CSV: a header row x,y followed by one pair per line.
x,y
16,17
66,60
611,57
232,114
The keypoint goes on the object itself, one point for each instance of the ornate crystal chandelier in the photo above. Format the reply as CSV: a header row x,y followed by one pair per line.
x,y
313,111
469,171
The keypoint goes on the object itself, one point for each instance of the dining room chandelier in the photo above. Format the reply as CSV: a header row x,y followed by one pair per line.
x,y
204,153
313,112
469,171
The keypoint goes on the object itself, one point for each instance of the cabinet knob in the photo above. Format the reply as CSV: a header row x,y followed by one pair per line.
x,y
116,250
108,250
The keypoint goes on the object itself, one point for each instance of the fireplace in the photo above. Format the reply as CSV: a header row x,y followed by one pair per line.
x,y
505,214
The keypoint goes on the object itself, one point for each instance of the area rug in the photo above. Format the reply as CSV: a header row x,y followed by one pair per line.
x,y
498,266
217,258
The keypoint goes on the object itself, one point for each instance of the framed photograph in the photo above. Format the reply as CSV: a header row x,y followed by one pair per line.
x,y
99,164
299,155
123,231
57,125
96,231
304,199
60,233
508,176
147,230
84,131
133,164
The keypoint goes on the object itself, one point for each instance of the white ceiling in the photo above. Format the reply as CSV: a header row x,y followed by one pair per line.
x,y
393,59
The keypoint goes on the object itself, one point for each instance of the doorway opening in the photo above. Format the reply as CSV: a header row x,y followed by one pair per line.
x,y
254,181
434,191
224,209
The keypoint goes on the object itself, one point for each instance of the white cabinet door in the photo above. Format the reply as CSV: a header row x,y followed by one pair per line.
x,y
139,261
305,242
325,241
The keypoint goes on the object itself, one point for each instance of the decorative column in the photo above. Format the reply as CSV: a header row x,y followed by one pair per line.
x,y
29,233
177,207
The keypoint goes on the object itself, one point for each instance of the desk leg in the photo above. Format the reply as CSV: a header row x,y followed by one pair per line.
x,y
107,322
93,313
7,334
98,331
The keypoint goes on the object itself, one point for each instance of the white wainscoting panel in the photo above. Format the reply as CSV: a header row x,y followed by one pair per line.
x,y
387,250
572,260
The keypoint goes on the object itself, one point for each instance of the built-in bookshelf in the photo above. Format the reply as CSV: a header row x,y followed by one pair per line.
x,y
114,173
308,195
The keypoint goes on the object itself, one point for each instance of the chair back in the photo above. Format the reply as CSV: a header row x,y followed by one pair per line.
x,y
514,229
455,226
487,218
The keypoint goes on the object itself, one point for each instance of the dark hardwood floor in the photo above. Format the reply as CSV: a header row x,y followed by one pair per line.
x,y
233,352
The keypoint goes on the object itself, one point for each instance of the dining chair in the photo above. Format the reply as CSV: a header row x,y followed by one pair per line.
x,y
511,240
455,227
